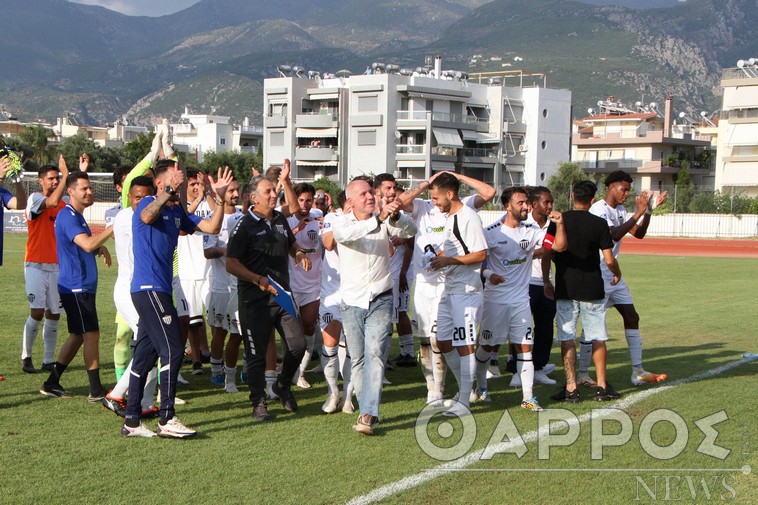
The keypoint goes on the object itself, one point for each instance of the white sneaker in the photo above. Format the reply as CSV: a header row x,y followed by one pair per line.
x,y
493,371
541,378
515,381
548,369
347,407
434,398
457,410
181,380
177,400
451,402
332,404
139,431
231,388
175,429
480,395
302,383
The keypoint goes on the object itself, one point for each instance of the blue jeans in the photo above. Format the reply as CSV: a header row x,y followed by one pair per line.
x,y
368,337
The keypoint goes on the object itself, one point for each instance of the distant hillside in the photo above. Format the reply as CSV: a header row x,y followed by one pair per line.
x,y
214,54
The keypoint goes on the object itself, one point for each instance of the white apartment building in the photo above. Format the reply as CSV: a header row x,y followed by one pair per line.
x,y
412,123
198,134
737,156
645,142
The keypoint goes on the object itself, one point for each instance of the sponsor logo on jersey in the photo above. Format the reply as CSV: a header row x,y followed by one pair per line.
x,y
519,261
435,229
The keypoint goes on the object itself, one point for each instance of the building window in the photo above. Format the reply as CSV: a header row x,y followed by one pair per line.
x,y
368,103
277,139
366,137
544,112
222,141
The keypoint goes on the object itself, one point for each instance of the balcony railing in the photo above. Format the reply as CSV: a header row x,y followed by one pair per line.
x,y
412,115
612,164
444,151
334,113
478,152
409,149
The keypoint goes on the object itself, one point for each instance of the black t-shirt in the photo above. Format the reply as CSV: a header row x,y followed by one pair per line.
x,y
577,269
263,248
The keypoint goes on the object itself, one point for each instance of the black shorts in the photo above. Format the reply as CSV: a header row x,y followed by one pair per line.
x,y
81,312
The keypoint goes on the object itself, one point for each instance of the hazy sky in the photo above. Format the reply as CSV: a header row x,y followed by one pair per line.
x,y
141,7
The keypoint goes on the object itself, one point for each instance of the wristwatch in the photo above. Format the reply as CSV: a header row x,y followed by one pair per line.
x,y
171,191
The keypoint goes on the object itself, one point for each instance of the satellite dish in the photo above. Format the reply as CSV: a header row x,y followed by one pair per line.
x,y
599,103
638,104
681,115
653,105
590,111
751,61
703,113
740,63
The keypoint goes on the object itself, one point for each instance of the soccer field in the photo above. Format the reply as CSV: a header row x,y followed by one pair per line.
x,y
689,439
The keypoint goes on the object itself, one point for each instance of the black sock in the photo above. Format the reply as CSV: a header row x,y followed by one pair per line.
x,y
132,422
55,374
162,421
95,386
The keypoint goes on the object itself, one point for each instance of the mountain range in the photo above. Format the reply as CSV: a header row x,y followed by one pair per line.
x,y
63,57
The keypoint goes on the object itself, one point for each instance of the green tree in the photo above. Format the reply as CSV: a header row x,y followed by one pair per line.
x,y
685,189
37,137
133,152
240,163
73,147
562,182
329,186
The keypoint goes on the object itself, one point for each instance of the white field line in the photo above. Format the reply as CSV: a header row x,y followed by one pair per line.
x,y
444,469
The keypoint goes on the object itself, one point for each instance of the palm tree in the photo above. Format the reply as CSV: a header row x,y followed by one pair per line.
x,y
37,136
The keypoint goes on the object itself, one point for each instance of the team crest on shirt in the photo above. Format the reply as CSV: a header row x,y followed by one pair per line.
x,y
312,234
177,222
524,244
486,334
30,297
327,318
219,320
166,320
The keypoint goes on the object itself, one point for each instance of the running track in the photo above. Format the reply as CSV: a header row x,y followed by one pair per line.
x,y
714,248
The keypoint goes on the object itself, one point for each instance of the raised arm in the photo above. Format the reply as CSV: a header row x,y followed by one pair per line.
x,y
54,199
19,200
289,194
213,225
484,192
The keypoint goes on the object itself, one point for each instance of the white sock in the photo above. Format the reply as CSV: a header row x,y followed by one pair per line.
x,y
585,355
309,339
634,341
482,362
525,368
330,363
217,366
230,375
31,328
453,360
150,386
425,352
468,370
406,344
50,339
122,386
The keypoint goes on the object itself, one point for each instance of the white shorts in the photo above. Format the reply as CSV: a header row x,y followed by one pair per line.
x,y
195,292
42,288
232,324
125,308
303,299
426,300
618,294
182,306
458,318
217,306
328,313
400,300
501,322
